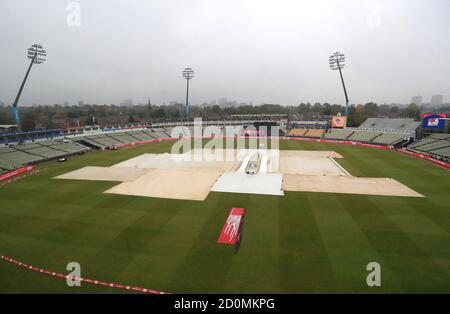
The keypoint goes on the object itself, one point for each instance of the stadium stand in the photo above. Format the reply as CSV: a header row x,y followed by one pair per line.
x,y
384,131
6,149
46,152
158,133
435,145
49,143
122,137
297,132
388,124
141,136
71,148
8,165
14,156
338,134
364,136
90,142
99,139
389,138
315,133
21,157
109,137
168,131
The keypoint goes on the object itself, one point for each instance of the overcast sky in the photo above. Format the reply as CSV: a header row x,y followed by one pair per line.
x,y
260,51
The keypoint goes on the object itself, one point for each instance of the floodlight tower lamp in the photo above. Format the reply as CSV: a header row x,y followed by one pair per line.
x,y
37,55
188,74
337,63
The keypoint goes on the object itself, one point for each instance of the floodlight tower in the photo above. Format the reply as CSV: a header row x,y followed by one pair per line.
x,y
337,62
188,74
37,55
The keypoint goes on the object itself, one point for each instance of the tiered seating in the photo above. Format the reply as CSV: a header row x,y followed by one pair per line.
x,y
297,132
168,131
27,146
104,140
8,165
70,148
122,137
442,152
111,139
338,134
89,141
364,136
167,134
6,149
424,141
389,138
400,124
440,136
156,134
21,157
436,145
315,133
46,152
49,143
140,135
67,147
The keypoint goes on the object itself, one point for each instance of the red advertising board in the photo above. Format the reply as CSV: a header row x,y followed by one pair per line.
x,y
15,172
231,229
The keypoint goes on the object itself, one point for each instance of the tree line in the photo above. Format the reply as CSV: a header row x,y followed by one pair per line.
x,y
48,116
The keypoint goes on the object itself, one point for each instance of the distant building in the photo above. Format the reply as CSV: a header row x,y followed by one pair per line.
x,y
436,100
127,102
416,100
223,102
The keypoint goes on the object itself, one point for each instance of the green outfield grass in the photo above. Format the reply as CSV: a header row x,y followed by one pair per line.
x,y
302,242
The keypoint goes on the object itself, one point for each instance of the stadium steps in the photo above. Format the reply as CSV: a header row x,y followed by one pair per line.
x,y
434,146
364,136
70,148
49,143
128,138
21,157
339,134
6,149
46,152
100,145
141,136
316,133
149,133
168,131
131,134
423,142
116,138
389,138
297,132
104,140
154,134
377,136
111,139
442,152
122,137
9,165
